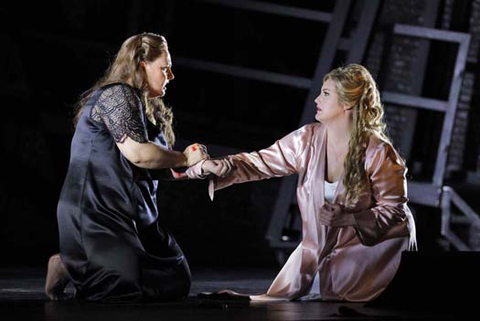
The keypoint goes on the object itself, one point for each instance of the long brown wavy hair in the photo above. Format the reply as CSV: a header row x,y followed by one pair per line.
x,y
126,69
357,88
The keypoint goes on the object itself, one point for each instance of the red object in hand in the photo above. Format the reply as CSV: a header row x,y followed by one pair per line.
x,y
194,148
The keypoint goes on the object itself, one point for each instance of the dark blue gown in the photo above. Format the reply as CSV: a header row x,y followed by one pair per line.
x,y
110,239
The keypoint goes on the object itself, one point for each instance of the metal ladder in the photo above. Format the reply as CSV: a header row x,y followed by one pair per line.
x,y
434,193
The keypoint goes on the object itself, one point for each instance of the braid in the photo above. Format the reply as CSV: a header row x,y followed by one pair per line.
x,y
356,87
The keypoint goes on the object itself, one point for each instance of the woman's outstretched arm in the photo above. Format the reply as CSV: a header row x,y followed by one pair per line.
x,y
280,159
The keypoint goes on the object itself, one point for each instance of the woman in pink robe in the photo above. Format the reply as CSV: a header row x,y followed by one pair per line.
x,y
352,244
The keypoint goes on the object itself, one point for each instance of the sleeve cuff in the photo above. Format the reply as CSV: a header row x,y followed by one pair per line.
x,y
195,171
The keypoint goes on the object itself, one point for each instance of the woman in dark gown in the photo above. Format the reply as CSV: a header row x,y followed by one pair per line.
x,y
111,245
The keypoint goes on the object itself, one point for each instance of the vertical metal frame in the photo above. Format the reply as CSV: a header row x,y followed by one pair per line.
x,y
448,107
449,198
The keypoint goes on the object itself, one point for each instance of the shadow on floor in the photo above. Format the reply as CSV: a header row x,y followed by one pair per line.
x,y
21,297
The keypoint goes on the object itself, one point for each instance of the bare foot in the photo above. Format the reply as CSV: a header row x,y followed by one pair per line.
x,y
57,278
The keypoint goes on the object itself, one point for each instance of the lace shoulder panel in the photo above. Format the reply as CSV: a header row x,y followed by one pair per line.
x,y
121,110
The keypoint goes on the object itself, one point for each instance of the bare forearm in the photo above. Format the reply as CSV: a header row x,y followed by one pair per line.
x,y
152,156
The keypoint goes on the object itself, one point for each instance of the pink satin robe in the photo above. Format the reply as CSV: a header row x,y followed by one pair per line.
x,y
355,263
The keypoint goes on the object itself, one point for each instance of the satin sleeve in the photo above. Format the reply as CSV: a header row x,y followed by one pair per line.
x,y
386,172
283,158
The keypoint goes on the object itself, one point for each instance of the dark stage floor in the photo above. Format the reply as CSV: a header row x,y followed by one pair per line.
x,y
22,298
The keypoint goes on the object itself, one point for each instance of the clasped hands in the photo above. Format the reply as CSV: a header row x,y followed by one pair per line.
x,y
335,215
197,152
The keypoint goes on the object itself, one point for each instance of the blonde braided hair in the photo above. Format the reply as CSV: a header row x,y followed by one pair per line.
x,y
357,88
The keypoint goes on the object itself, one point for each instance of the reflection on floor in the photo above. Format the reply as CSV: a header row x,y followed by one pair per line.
x,y
21,297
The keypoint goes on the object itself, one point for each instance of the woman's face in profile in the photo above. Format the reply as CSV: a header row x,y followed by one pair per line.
x,y
328,106
158,74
